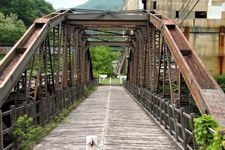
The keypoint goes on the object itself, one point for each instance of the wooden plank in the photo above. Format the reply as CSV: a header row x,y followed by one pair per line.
x,y
117,120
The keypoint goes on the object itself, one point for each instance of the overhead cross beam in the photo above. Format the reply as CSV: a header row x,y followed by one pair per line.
x,y
131,19
107,17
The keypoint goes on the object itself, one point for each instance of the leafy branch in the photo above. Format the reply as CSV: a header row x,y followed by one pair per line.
x,y
204,137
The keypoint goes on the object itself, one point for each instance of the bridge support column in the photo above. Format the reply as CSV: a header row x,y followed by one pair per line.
x,y
65,57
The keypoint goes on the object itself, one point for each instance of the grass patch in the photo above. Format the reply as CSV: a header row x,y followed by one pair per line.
x,y
24,127
114,81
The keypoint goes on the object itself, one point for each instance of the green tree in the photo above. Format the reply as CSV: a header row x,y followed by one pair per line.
x,y
11,28
27,10
102,57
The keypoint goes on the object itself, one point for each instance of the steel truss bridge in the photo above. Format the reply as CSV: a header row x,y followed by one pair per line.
x,y
50,67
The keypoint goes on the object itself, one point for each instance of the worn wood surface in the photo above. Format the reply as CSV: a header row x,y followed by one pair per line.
x,y
117,120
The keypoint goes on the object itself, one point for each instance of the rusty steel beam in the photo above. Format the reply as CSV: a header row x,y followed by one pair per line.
x,y
107,17
21,53
110,19
18,61
53,19
65,56
204,89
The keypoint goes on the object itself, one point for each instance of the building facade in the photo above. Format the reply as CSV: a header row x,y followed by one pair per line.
x,y
202,22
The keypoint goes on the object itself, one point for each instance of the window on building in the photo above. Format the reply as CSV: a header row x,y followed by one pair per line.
x,y
200,14
144,4
177,14
154,4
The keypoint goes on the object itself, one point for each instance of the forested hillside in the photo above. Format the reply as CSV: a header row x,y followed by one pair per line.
x,y
27,10
102,5
17,15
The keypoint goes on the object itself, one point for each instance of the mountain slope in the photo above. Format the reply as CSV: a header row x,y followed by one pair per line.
x,y
102,5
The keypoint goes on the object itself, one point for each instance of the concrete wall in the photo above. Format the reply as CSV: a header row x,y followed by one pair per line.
x,y
207,47
131,4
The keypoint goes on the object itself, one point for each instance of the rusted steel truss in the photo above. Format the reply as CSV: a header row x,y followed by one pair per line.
x,y
53,55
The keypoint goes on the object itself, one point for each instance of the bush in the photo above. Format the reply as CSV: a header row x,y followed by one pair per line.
x,y
30,134
26,131
204,138
221,81
218,140
202,124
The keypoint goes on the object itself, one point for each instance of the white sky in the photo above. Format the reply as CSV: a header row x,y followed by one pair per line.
x,y
66,3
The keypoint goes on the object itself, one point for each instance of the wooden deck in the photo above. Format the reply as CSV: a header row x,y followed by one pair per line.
x,y
117,120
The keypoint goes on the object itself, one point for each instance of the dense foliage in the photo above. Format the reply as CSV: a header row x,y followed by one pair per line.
x,y
102,57
102,5
11,29
27,10
26,130
202,125
16,15
204,138
221,81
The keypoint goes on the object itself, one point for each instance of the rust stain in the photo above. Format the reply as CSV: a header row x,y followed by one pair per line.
x,y
186,32
221,48
202,78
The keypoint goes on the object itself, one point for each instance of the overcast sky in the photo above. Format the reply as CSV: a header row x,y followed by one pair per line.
x,y
66,3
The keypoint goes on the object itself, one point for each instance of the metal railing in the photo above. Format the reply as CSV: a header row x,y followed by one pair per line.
x,y
42,112
177,123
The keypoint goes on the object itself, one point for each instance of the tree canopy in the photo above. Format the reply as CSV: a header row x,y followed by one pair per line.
x,y
102,57
11,28
16,15
27,10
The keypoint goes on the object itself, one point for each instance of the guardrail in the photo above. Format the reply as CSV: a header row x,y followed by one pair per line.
x,y
42,112
178,124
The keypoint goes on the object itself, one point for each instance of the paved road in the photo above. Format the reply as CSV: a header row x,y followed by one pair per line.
x,y
112,115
